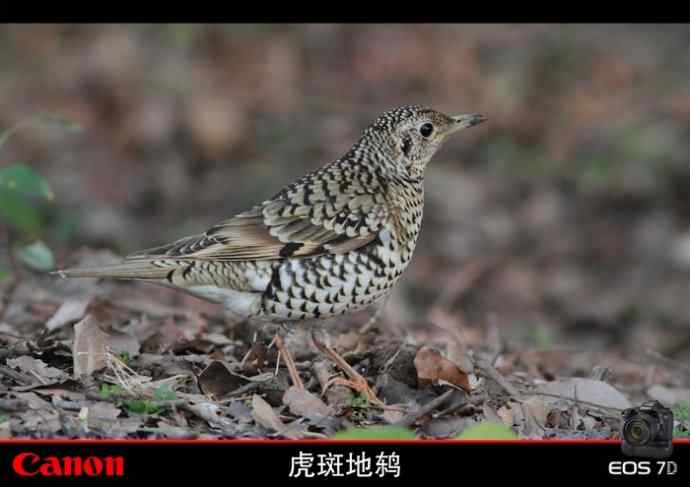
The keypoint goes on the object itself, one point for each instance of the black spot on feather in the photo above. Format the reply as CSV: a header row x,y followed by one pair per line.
x,y
187,270
290,249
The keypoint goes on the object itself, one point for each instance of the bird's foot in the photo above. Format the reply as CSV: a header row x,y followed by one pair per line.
x,y
356,381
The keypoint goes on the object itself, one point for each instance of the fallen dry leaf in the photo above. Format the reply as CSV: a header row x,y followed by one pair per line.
x,y
217,381
46,422
217,339
69,312
121,343
393,416
505,414
522,417
432,367
588,390
537,408
59,392
240,411
33,400
88,350
263,414
303,403
457,353
38,369
667,395
102,410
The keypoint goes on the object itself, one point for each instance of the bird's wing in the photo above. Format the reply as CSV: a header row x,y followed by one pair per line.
x,y
313,216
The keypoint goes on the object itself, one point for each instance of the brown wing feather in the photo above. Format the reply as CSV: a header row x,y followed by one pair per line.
x,y
307,218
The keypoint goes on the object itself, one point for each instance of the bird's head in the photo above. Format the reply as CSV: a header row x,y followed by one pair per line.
x,y
410,135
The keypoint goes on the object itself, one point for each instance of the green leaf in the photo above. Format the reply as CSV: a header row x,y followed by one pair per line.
x,y
487,431
142,407
376,433
37,255
109,390
164,393
3,273
681,411
357,401
22,179
18,212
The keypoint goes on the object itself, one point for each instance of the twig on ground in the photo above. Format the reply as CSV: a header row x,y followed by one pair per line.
x,y
212,414
490,371
136,384
581,402
463,404
241,390
426,409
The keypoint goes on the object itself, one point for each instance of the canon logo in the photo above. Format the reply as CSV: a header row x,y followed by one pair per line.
x,y
29,464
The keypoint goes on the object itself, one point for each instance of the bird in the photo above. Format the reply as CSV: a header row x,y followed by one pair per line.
x,y
334,241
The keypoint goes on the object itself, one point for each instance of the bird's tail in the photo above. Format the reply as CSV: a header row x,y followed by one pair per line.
x,y
135,269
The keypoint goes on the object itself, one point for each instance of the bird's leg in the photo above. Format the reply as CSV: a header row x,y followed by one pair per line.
x,y
371,322
356,381
289,361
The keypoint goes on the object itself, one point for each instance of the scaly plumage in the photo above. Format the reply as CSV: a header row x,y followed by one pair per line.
x,y
335,240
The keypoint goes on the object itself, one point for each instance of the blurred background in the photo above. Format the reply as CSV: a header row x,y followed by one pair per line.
x,y
563,221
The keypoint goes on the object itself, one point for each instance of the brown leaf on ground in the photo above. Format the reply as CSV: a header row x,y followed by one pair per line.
x,y
392,416
527,417
60,392
37,369
586,390
43,422
432,367
217,381
263,414
33,400
102,410
89,347
303,403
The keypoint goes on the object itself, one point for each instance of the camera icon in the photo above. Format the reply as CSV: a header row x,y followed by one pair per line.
x,y
648,431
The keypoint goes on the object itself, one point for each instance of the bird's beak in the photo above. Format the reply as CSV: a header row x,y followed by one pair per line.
x,y
465,121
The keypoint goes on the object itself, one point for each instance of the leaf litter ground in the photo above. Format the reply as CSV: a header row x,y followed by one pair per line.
x,y
97,359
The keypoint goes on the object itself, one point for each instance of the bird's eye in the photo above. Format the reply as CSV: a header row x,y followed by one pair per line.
x,y
426,129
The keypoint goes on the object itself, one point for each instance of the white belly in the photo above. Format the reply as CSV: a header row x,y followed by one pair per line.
x,y
238,303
